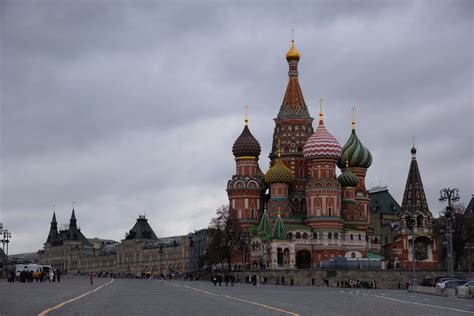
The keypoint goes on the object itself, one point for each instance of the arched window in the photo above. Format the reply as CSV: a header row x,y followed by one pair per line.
x,y
298,235
290,235
360,237
305,236
353,255
336,236
315,236
352,237
419,221
329,235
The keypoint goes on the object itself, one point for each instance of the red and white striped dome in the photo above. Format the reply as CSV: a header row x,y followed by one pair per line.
x,y
322,145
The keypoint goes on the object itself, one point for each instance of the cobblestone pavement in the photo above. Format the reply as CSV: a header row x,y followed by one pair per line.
x,y
154,297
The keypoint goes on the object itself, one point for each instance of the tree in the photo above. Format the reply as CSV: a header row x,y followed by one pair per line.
x,y
463,232
225,236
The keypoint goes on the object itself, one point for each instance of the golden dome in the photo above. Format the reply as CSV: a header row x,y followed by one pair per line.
x,y
293,53
279,173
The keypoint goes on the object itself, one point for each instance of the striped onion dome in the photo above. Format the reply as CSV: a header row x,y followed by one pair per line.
x,y
279,173
355,153
347,178
322,145
246,145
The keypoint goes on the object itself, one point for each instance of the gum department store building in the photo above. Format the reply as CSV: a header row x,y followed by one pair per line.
x,y
310,216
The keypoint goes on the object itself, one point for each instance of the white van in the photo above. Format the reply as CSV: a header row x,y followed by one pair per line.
x,y
32,267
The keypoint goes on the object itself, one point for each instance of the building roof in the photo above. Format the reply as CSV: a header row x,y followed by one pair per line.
x,y
246,145
322,144
279,231
382,201
264,225
414,195
141,230
293,105
355,153
470,207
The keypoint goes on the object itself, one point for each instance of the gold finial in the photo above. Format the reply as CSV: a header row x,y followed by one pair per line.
x,y
353,117
292,53
246,117
293,35
278,149
320,108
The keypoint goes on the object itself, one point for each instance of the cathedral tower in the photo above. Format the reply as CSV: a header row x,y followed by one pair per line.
x,y
323,191
293,126
245,189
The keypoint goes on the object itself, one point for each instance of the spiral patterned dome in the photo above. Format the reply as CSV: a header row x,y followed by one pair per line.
x,y
355,153
246,145
321,145
347,178
279,173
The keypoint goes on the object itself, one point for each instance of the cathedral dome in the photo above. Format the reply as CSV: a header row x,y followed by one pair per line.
x,y
347,178
246,145
293,54
279,173
355,153
321,145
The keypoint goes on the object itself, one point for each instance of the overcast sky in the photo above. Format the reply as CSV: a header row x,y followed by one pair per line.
x,y
132,107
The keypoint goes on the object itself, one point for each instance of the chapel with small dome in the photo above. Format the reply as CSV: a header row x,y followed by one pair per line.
x,y
299,214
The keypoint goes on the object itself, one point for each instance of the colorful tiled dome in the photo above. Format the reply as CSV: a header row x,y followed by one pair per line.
x,y
322,145
279,173
246,145
347,178
355,153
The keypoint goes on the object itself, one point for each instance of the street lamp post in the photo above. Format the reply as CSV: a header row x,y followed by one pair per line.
x,y
450,195
6,235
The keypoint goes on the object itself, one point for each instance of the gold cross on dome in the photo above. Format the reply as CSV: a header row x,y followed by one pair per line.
x,y
353,117
246,117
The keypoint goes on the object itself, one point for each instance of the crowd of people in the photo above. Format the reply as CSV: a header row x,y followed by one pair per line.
x,y
34,276
359,284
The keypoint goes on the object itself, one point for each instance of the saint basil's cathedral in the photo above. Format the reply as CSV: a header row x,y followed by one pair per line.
x,y
309,216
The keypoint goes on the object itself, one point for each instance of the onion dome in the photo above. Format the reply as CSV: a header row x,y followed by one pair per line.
x,y
321,145
293,54
279,173
347,178
413,150
246,145
355,153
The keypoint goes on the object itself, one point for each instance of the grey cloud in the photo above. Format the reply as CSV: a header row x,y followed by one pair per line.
x,y
134,106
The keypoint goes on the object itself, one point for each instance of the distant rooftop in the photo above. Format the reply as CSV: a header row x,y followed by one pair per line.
x,y
378,189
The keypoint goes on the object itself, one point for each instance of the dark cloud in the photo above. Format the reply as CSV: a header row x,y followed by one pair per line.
x,y
131,107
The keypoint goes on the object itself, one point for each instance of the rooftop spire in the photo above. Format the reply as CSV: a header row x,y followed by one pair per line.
x,y
353,118
246,117
320,109
73,221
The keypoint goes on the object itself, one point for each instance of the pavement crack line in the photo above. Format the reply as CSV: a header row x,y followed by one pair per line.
x,y
245,301
424,304
46,311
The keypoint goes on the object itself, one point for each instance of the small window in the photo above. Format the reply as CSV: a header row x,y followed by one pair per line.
x,y
329,235
315,236
298,235
352,237
305,236
336,236
360,237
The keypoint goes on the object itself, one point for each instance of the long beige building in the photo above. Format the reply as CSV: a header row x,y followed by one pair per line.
x,y
141,251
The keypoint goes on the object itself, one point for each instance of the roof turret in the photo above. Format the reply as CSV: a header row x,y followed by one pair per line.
x,y
264,225
246,144
321,145
279,173
347,178
354,151
279,230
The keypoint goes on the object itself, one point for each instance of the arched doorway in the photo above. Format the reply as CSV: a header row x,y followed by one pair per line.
x,y
279,257
303,259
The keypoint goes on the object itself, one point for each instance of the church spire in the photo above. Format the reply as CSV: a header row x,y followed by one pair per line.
x,y
73,221
414,195
293,105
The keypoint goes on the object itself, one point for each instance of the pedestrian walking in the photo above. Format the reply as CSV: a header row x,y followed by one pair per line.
x,y
91,278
